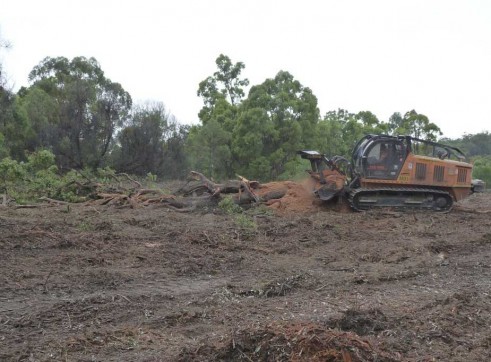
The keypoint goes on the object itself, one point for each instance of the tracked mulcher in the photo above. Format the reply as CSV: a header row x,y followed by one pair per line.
x,y
401,172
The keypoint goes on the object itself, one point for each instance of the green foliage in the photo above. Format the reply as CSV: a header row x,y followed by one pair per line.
x,y
88,121
260,210
152,141
278,118
210,150
259,136
42,183
18,182
228,206
150,177
141,141
482,169
395,124
43,114
14,125
209,145
340,130
175,163
245,222
415,124
104,175
27,181
225,84
329,139
11,172
295,169
478,148
478,144
241,218
4,151
41,160
78,105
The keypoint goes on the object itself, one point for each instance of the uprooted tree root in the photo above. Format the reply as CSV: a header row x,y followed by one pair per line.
x,y
292,343
197,192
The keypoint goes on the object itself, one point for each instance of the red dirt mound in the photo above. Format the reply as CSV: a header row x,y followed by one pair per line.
x,y
297,196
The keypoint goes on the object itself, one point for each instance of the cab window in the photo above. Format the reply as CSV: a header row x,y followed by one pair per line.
x,y
385,159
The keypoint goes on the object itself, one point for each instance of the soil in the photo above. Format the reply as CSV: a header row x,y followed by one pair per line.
x,y
295,281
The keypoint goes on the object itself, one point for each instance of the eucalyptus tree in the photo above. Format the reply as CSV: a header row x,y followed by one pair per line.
x,y
395,123
142,141
278,118
337,131
210,142
209,149
340,130
176,159
152,142
15,129
224,85
414,124
88,108
42,114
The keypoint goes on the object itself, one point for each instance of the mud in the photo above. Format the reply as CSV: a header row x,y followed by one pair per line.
x,y
284,283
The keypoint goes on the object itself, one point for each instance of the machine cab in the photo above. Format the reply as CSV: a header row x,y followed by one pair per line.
x,y
379,157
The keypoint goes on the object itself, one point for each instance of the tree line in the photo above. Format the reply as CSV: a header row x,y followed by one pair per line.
x,y
87,121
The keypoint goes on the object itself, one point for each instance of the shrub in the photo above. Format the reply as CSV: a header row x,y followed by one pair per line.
x,y
228,206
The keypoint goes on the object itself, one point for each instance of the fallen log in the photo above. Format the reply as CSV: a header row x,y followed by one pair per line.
x,y
199,183
197,193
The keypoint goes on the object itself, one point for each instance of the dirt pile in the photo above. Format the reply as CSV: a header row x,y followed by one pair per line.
x,y
297,197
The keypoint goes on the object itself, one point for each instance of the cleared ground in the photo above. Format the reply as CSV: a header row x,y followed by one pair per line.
x,y
105,284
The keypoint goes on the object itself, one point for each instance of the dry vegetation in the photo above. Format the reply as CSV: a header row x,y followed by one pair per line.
x,y
292,281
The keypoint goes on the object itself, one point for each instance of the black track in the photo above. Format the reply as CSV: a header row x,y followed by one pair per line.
x,y
400,198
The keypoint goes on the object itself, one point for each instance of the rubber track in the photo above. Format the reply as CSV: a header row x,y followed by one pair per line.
x,y
410,190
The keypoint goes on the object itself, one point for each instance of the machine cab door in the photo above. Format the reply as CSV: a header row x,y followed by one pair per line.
x,y
383,158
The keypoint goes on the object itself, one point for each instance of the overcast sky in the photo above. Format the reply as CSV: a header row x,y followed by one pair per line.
x,y
384,56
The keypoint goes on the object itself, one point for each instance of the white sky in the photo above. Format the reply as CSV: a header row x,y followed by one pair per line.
x,y
384,56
